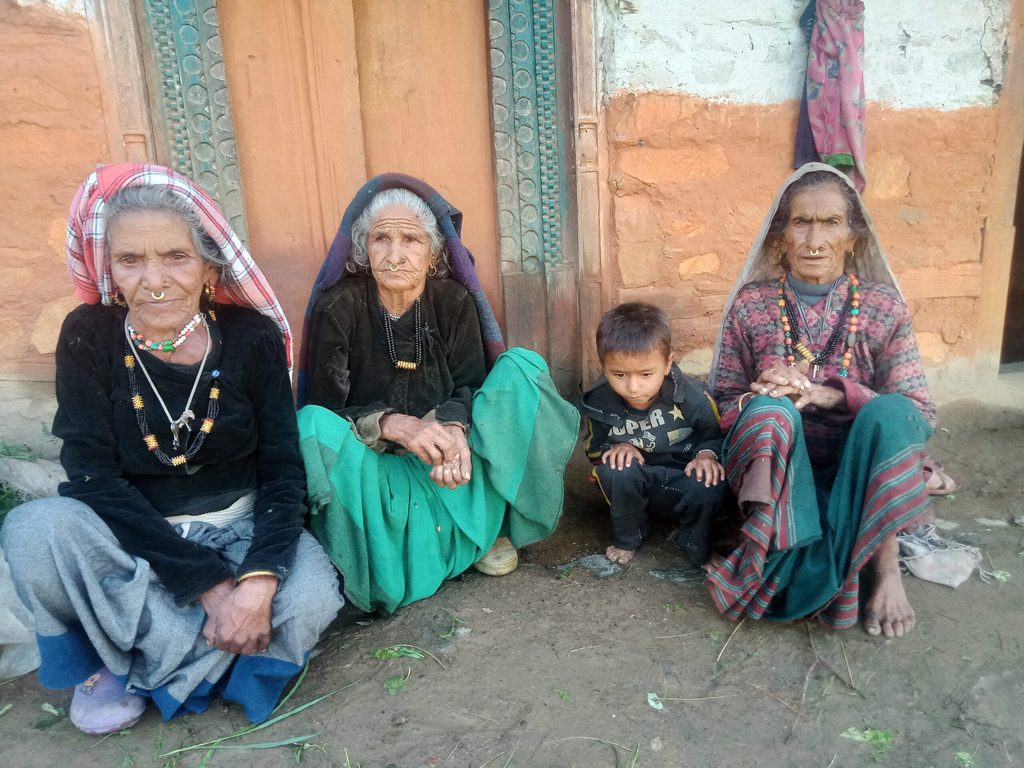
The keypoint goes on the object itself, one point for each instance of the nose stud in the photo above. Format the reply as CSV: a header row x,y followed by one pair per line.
x,y
157,296
816,251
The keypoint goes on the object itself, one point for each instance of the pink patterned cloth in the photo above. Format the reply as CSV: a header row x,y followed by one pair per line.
x,y
885,359
836,105
243,283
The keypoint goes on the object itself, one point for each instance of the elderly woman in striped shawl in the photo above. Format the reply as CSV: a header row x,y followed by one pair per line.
x,y
428,448
173,565
822,391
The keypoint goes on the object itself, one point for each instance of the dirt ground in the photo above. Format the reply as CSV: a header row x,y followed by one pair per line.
x,y
554,666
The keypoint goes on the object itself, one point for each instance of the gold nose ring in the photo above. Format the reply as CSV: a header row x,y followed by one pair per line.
x,y
816,251
157,296
393,267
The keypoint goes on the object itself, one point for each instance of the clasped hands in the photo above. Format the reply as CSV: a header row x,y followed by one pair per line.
x,y
792,382
238,615
704,466
443,446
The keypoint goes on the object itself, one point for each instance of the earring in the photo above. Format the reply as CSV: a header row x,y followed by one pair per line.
x,y
211,291
119,300
851,259
432,269
778,262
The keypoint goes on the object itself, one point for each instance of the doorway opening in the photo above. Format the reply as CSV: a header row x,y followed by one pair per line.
x,y
1012,357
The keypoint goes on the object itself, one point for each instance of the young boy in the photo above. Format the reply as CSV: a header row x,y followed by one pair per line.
x,y
653,434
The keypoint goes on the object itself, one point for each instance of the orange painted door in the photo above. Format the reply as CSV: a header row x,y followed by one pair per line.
x,y
327,93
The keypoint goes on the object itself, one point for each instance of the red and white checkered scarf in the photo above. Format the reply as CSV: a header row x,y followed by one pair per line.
x,y
243,283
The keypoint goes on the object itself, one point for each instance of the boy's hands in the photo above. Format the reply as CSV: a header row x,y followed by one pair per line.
x,y
622,455
707,468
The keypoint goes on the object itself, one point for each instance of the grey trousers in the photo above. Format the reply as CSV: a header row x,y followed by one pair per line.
x,y
94,604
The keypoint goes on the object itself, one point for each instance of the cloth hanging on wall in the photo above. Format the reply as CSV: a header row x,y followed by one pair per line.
x,y
805,151
836,107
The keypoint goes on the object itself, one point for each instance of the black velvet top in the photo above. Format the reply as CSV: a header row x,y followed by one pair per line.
x,y
253,446
352,373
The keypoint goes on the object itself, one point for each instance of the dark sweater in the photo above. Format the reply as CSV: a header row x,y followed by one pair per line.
x,y
603,409
253,445
352,374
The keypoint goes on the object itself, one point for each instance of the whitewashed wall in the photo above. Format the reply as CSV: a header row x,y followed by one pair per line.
x,y
939,54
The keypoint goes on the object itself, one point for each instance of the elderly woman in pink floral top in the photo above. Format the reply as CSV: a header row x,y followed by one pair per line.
x,y
820,383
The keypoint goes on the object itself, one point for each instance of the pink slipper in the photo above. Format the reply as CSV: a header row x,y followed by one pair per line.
x,y
101,705
936,480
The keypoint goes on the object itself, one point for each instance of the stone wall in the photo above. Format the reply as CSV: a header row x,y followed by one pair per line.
x,y
52,133
701,101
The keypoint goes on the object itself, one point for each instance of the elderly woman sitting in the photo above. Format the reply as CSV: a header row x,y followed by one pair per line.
x,y
173,566
819,377
417,458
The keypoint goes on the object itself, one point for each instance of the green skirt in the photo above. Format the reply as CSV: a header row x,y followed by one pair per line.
x,y
393,534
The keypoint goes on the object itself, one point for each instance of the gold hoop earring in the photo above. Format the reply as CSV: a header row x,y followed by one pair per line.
x,y
778,262
432,269
118,300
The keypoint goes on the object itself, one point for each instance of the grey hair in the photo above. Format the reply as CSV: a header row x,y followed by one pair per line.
x,y
164,200
854,213
359,260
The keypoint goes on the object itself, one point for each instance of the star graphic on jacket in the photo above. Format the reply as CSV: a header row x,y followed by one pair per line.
x,y
676,412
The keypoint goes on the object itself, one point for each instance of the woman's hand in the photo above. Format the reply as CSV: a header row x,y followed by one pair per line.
x,y
622,455
238,616
780,381
792,382
429,440
457,467
705,467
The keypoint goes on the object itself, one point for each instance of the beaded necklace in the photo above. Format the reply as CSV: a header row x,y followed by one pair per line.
x,y
389,335
131,359
791,331
170,345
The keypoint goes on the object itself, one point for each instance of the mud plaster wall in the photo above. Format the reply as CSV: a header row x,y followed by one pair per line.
x,y
52,133
700,113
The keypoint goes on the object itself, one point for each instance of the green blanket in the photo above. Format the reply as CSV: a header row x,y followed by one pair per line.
x,y
393,534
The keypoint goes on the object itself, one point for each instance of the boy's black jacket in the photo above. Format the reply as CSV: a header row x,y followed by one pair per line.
x,y
602,409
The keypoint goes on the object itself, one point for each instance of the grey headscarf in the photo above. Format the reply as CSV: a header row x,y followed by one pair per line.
x,y
872,264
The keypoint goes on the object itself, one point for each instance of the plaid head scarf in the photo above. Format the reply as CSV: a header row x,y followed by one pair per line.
x,y
242,281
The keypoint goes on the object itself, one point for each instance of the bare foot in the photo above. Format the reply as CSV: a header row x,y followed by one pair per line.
x,y
888,611
620,556
713,563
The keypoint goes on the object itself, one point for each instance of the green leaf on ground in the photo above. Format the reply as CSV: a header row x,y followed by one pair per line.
x,y
5,709
1001,575
965,760
394,651
880,739
563,694
655,701
395,685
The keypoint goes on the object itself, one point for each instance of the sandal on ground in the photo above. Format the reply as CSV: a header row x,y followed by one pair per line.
x,y
936,480
500,559
101,705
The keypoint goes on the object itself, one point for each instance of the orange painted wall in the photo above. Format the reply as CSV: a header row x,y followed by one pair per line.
x,y
51,136
692,180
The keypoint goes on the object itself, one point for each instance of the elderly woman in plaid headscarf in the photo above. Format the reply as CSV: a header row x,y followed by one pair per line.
x,y
173,565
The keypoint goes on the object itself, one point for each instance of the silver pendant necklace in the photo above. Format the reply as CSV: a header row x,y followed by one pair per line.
x,y
187,415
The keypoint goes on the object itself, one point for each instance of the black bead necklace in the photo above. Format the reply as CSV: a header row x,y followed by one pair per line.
x,y
389,335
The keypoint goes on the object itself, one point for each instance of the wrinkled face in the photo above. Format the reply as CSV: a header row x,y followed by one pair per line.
x,y
155,265
399,250
637,378
818,235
